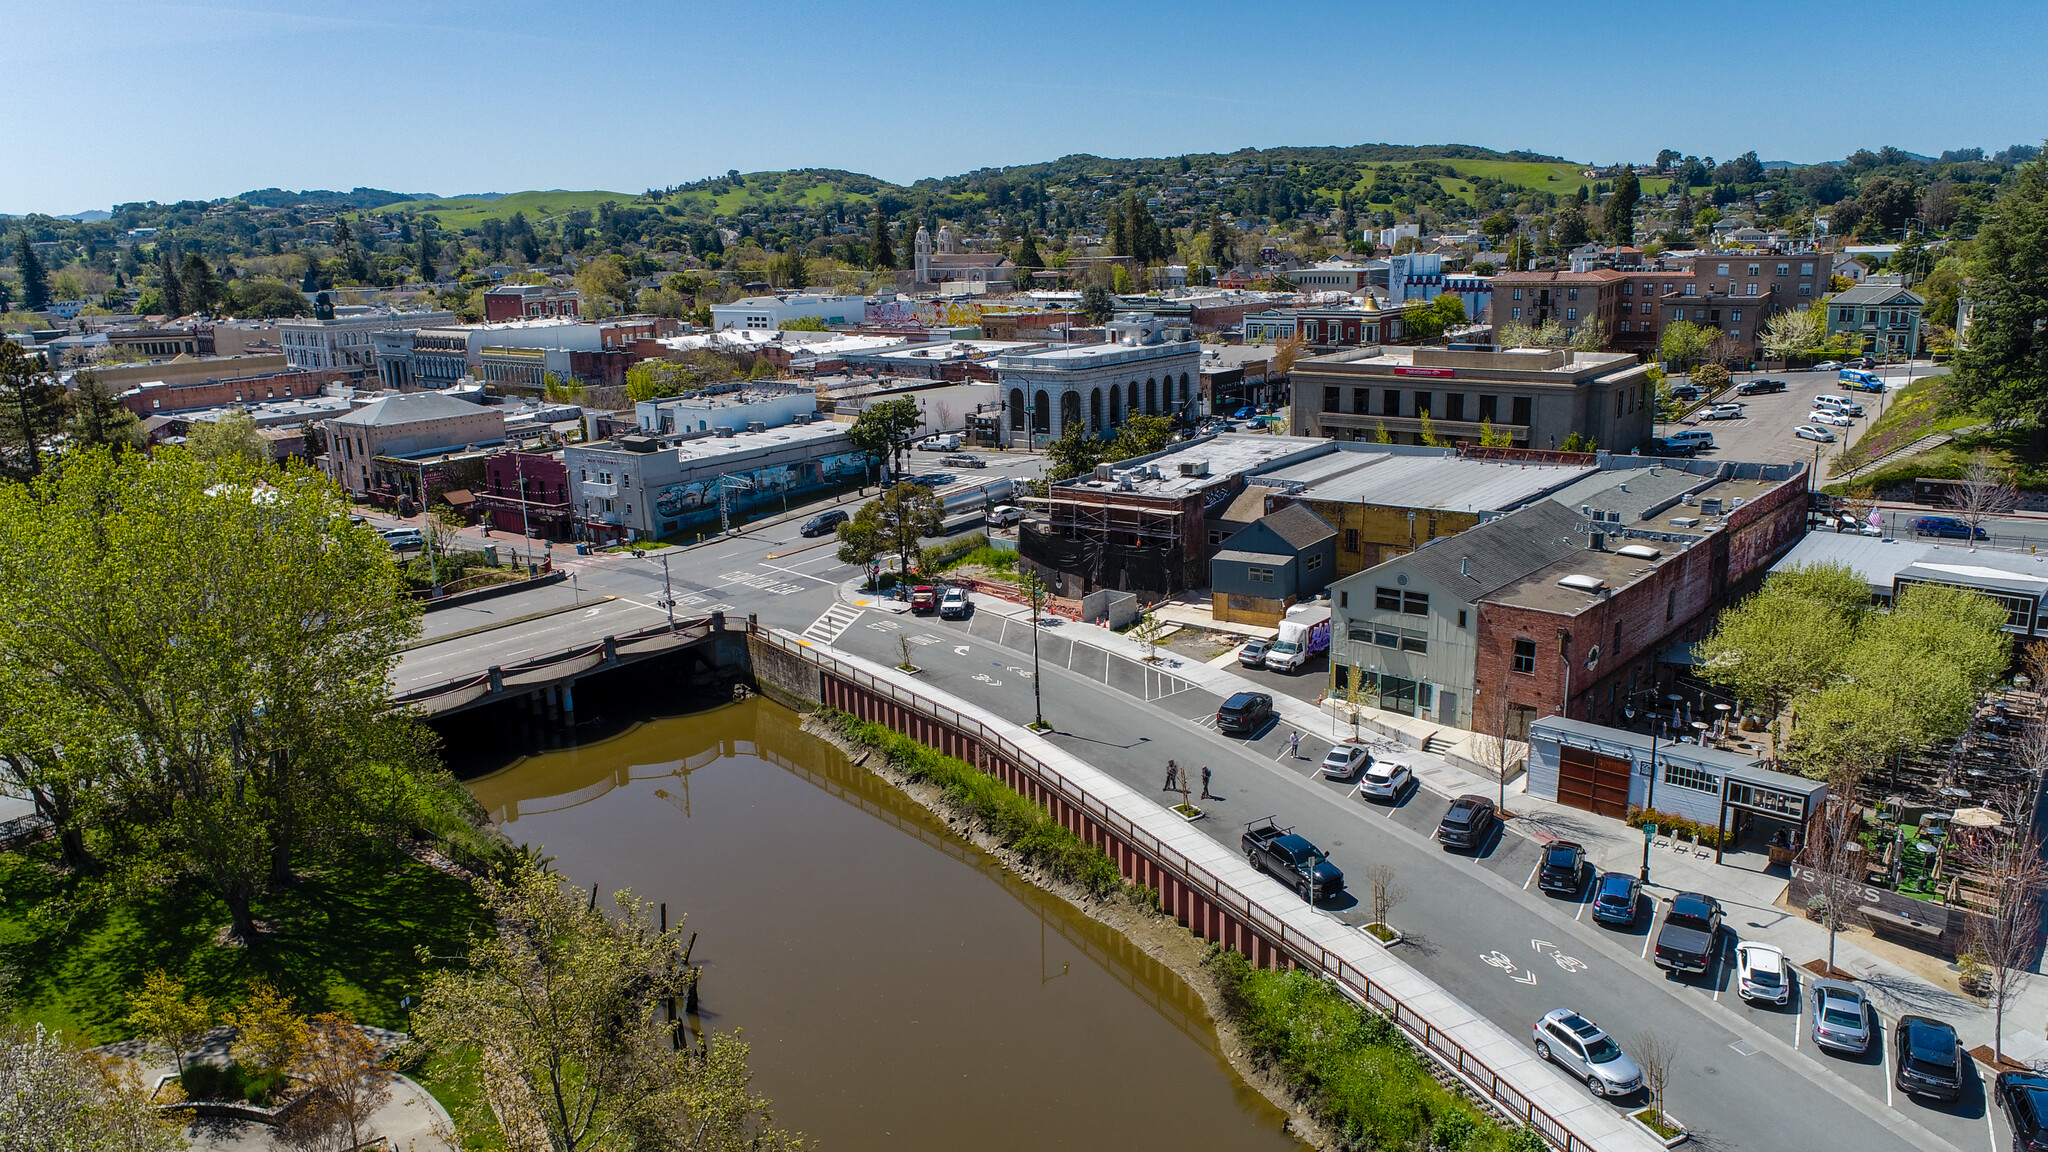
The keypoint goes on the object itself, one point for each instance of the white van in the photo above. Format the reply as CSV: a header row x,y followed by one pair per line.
x,y
1842,404
1699,438
402,538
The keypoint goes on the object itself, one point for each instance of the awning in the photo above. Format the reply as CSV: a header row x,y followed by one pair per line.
x,y
458,497
1686,655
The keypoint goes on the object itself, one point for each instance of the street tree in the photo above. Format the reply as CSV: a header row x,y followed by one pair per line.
x,y
1140,436
1654,1054
562,1004
1835,861
2004,366
59,1099
1796,332
1683,343
897,521
232,435
1386,893
339,1065
1982,493
35,280
208,643
162,1014
31,411
1787,639
1074,452
883,430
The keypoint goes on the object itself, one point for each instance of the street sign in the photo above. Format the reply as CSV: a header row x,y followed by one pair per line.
x,y
1649,833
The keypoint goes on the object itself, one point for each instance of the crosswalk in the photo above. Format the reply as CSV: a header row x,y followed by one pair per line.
x,y
827,628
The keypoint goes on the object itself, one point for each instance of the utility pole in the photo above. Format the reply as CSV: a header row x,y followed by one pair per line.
x,y
525,523
668,596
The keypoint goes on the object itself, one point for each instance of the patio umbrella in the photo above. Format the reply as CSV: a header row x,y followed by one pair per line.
x,y
1977,818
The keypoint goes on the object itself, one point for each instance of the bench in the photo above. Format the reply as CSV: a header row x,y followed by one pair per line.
x,y
1881,921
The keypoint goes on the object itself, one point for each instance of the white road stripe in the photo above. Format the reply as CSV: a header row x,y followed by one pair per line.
x,y
1532,874
1885,1052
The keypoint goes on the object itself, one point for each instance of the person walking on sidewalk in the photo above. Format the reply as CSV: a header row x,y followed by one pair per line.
x,y
1205,783
1172,777
1294,746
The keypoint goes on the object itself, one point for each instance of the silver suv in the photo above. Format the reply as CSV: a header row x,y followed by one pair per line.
x,y
1579,1046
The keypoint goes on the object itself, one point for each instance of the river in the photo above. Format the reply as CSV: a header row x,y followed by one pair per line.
x,y
899,988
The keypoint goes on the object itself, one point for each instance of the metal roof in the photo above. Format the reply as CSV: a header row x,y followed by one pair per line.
x,y
1882,561
1439,479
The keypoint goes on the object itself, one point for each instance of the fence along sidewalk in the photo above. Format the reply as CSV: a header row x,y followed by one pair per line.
x,y
1494,1063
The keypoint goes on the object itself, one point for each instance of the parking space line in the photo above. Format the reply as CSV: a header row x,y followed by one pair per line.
x,y
1580,915
1798,1014
1532,873
1990,1130
1651,932
1884,1052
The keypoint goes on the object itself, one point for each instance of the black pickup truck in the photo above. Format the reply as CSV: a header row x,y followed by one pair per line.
x,y
1691,933
1292,860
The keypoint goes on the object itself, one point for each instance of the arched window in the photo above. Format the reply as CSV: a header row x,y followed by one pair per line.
x,y
1070,408
1116,405
1016,409
1095,410
1132,402
1184,390
1151,396
1041,412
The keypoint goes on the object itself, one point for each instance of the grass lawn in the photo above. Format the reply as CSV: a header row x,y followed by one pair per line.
x,y
1923,410
469,211
342,940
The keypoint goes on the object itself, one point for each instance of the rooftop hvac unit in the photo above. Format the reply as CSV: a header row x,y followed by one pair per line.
x,y
723,431
1124,481
1586,510
1710,505
756,426
1599,543
1735,503
1686,499
1613,516
1685,521
1105,471
1194,467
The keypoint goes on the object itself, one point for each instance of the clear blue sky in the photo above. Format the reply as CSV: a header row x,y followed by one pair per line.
x,y
126,101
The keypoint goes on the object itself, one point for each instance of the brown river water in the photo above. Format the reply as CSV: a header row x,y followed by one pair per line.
x,y
899,988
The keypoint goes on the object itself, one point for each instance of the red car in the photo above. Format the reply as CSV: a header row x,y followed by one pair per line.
x,y
924,598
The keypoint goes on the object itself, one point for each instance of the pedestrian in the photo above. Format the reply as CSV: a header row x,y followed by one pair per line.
x,y
1205,783
1294,746
1172,777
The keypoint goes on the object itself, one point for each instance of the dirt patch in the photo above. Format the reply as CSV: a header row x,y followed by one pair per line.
x,y
1155,933
1199,645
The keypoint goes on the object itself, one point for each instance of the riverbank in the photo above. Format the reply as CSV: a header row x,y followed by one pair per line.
x,y
1127,912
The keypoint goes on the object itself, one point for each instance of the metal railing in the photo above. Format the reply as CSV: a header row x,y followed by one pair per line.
x,y
1306,952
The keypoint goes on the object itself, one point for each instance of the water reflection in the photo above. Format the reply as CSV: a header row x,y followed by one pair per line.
x,y
900,989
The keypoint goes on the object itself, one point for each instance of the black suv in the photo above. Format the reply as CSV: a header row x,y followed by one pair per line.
x,y
2024,1097
1760,388
1244,713
824,523
1467,823
1928,1057
1563,869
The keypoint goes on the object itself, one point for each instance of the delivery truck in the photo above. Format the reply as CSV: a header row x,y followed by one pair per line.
x,y
1303,633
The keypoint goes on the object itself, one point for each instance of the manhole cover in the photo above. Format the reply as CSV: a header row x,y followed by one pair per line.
x,y
1743,1048
1710,1070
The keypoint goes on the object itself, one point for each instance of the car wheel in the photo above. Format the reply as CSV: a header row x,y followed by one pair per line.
x,y
1542,1050
1252,858
1593,1082
1302,891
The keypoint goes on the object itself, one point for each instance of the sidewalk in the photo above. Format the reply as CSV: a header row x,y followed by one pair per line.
x,y
1897,979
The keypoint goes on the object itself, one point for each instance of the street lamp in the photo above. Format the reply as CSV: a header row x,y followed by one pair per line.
x,y
668,596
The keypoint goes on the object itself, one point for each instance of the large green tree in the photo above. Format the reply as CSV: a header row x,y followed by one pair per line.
x,y
1097,303
98,418
1789,638
1074,452
1619,215
59,1099
266,300
882,430
170,289
206,646
880,254
31,411
896,521
2004,364
201,285
35,281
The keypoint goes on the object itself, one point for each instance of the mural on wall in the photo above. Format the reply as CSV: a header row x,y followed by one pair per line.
x,y
699,496
929,313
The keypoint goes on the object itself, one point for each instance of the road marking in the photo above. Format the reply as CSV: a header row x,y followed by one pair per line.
x,y
589,612
1580,915
1884,1051
1798,1014
1990,1131
804,575
923,638
1532,874
1651,931
959,649
1496,959
986,679
1016,671
832,624
884,625
1744,1048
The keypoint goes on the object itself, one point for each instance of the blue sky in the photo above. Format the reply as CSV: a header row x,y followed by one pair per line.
x,y
120,101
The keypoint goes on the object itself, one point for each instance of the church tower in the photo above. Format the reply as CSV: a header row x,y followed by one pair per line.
x,y
922,262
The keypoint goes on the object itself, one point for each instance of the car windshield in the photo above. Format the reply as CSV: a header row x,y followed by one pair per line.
x,y
1601,1050
1765,979
1561,858
1930,1069
1380,775
1841,1010
1614,893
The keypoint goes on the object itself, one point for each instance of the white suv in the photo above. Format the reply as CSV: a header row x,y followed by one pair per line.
x,y
1842,404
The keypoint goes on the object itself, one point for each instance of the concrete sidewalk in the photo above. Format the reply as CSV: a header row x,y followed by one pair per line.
x,y
1897,979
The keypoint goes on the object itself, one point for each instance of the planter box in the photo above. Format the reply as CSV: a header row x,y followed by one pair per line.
x,y
1188,812
1384,933
1635,1118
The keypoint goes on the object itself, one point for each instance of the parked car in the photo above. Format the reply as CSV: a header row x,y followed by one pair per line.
x,y
954,605
1691,934
2024,1098
1615,899
1927,1059
1862,362
824,523
1345,760
1760,388
1563,868
1723,412
1578,1045
1814,433
1253,654
1467,822
1830,417
1947,526
1686,392
1699,438
943,443
1291,859
1761,973
401,539
1004,515
923,599
1670,446
1827,366
1386,780
1244,713
963,460
1841,1018
1842,404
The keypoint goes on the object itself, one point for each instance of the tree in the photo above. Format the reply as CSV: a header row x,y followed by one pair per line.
x,y
1589,336
31,410
62,1100
202,289
1654,1054
1491,437
1684,342
1028,259
1385,892
790,270
1550,335
1888,200
1578,442
1074,452
1795,333
884,429
1570,230
861,543
1982,493
562,1007
1097,303
1788,638
35,282
428,272
1835,862
269,1036
1286,352
897,522
880,254
1147,631
338,1064
98,419
265,300
1430,321
1140,436
234,434
2004,367
163,1015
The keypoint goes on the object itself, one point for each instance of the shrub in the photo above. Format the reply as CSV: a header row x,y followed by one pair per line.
x,y
231,1082
1017,822
996,559
1710,376
1707,834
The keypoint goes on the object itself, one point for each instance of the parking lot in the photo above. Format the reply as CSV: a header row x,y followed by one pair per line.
x,y
1764,432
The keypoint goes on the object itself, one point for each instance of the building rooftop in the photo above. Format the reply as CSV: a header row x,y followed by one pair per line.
x,y
1540,589
1485,558
409,408
1404,476
1561,363
1225,455
1882,561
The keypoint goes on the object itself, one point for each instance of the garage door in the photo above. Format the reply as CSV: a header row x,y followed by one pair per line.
x,y
1593,782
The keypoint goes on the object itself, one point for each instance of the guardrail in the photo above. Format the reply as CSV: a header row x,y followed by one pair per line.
x,y
1305,952
693,628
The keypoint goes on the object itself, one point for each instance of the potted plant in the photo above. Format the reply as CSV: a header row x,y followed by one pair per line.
x,y
1972,976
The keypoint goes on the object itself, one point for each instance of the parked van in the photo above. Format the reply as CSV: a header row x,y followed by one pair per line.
x,y
403,538
1699,438
1842,404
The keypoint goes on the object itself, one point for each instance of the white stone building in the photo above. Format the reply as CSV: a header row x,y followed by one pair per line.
x,y
1146,368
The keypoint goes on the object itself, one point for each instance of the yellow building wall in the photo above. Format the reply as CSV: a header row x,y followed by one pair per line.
x,y
1369,534
1247,610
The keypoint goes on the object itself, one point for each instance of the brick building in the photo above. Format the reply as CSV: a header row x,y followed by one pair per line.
x,y
530,302
158,398
528,490
1573,299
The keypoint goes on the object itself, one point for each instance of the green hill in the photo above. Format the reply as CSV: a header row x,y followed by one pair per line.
x,y
469,211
